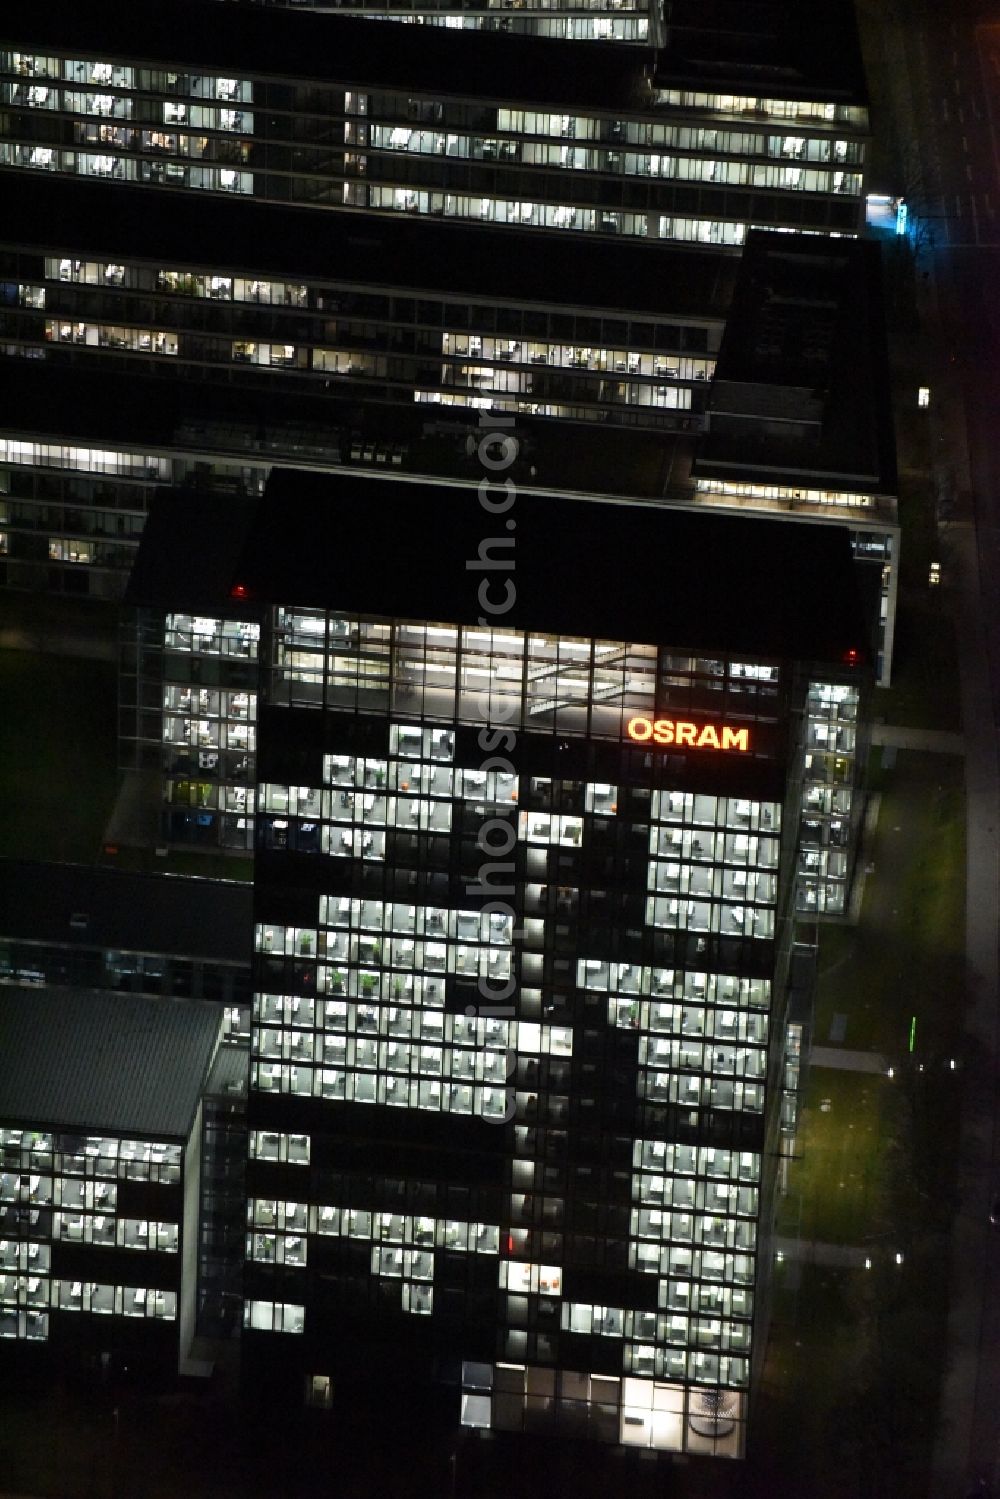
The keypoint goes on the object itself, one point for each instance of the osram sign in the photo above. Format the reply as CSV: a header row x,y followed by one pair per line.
x,y
688,735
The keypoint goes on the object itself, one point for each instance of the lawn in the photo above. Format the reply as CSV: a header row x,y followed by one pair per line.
x,y
925,681
812,1367
853,1361
907,955
58,754
834,1183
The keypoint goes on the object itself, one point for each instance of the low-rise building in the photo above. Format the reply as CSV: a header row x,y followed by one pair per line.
x,y
100,1186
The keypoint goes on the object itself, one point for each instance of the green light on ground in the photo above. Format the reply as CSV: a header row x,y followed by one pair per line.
x,y
913,1030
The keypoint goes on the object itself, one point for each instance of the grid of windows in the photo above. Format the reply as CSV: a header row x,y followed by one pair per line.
x,y
274,1316
367,1003
549,361
789,492
84,460
473,159
709,866
827,822
81,505
65,1188
635,1411
377,1030
268,1145
448,672
209,732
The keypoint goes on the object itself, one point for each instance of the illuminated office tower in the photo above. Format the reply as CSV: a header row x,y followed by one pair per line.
x,y
694,142
529,792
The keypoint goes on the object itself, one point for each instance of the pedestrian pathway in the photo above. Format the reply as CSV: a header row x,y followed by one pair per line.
x,y
937,741
814,1252
848,1060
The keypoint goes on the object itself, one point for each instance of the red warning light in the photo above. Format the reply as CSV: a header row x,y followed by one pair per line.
x,y
852,656
239,591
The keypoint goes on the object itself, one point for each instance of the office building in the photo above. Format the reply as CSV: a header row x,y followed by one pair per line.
x,y
100,1135
391,312
686,144
524,906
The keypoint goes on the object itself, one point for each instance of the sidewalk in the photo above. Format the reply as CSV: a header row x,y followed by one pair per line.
x,y
813,1252
847,1060
971,1361
937,741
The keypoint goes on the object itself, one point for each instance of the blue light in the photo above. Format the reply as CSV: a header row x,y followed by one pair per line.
x,y
901,216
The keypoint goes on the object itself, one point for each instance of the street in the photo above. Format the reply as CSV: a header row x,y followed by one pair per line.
x,y
943,72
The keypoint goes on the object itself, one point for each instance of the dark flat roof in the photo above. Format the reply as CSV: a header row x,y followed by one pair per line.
x,y
442,61
171,573
807,317
81,1059
700,580
111,221
272,422
85,906
765,46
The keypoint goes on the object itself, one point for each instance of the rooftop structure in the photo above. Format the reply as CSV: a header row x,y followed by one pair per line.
x,y
801,389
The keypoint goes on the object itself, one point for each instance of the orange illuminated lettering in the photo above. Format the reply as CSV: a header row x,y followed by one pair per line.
x,y
691,735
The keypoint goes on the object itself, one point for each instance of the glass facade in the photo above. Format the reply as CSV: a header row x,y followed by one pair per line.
x,y
829,810
574,946
209,733
317,659
405,345
60,1190
680,165
72,514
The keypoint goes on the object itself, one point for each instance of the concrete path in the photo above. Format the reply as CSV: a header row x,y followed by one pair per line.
x,y
937,741
848,1060
813,1252
973,1363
